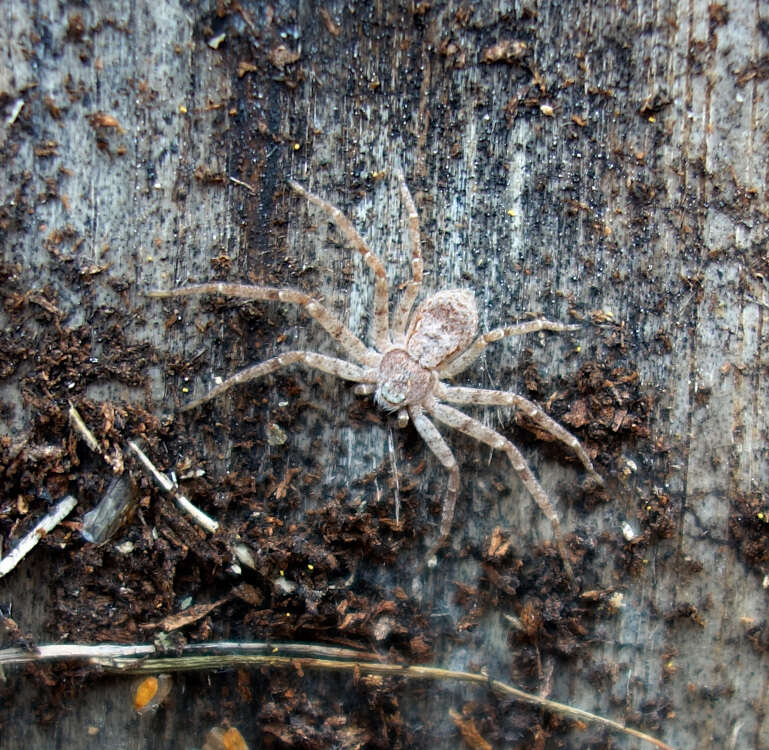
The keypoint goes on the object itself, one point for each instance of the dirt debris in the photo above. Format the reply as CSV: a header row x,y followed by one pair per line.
x,y
314,573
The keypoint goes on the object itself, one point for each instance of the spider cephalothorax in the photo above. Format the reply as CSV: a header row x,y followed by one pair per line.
x,y
401,381
409,357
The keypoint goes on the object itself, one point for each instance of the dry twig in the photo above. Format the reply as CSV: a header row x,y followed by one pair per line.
x,y
44,526
197,515
240,551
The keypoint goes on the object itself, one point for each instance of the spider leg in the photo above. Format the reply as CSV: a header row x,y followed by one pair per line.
x,y
483,397
475,429
467,357
351,344
381,314
330,365
436,443
402,312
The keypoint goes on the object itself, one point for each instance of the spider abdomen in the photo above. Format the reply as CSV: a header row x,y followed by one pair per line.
x,y
442,326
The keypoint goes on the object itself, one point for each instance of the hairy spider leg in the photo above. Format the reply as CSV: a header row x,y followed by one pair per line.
x,y
435,442
403,310
483,397
475,429
467,357
381,323
329,365
346,339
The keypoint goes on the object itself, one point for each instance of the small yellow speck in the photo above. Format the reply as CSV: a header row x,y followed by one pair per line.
x,y
150,259
182,109
297,146
288,614
510,212
185,389
652,119
282,573
310,567
760,516
645,562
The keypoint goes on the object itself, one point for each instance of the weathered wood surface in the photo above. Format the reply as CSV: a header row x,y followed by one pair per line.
x,y
641,193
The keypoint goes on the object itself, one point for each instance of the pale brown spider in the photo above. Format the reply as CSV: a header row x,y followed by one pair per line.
x,y
409,359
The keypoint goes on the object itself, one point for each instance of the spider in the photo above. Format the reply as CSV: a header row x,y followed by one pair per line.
x,y
409,359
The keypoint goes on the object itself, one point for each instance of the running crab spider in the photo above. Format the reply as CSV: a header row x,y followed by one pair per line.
x,y
409,359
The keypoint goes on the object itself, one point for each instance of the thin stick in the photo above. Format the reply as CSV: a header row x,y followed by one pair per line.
x,y
240,551
115,653
133,660
44,526
236,181
197,515
80,426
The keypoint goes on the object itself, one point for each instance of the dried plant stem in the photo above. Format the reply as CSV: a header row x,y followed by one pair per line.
x,y
137,660
81,428
114,655
197,515
248,187
44,526
239,551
